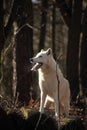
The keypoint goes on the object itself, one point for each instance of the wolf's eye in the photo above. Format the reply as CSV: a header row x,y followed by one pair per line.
x,y
40,56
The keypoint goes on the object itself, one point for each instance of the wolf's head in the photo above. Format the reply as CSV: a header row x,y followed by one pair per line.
x,y
41,59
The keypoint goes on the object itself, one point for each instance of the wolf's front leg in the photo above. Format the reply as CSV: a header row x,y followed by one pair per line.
x,y
42,101
56,104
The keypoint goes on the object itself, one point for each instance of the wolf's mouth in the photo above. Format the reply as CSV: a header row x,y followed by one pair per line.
x,y
36,66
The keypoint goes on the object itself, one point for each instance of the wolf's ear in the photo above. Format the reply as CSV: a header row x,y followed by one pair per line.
x,y
42,50
49,51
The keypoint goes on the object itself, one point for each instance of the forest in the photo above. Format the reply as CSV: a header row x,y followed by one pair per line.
x,y
26,27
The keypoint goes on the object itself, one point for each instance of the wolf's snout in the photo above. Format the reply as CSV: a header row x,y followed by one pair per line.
x,y
31,60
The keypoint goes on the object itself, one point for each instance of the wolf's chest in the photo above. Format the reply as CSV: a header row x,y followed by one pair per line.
x,y
48,84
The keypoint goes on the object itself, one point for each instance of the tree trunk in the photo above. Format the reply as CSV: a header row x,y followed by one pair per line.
x,y
11,17
24,49
65,11
83,56
53,29
2,40
73,49
43,24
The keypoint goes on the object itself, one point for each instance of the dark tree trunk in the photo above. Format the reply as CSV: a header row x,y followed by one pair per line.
x,y
73,49
83,57
65,11
2,40
43,24
24,49
8,26
53,29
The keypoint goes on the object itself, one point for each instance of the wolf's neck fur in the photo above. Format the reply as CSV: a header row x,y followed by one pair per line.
x,y
51,67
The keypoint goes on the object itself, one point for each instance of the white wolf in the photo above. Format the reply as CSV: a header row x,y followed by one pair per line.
x,y
48,82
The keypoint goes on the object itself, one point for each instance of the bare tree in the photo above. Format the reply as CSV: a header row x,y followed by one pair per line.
x,y
2,39
43,23
53,28
24,48
83,56
73,49
65,11
72,12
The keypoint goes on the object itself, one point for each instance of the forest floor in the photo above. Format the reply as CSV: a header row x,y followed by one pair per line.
x,y
78,110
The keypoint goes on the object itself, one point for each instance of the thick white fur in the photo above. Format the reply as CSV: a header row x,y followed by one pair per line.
x,y
48,83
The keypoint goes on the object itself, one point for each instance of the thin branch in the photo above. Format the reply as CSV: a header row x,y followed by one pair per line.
x,y
28,25
65,11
